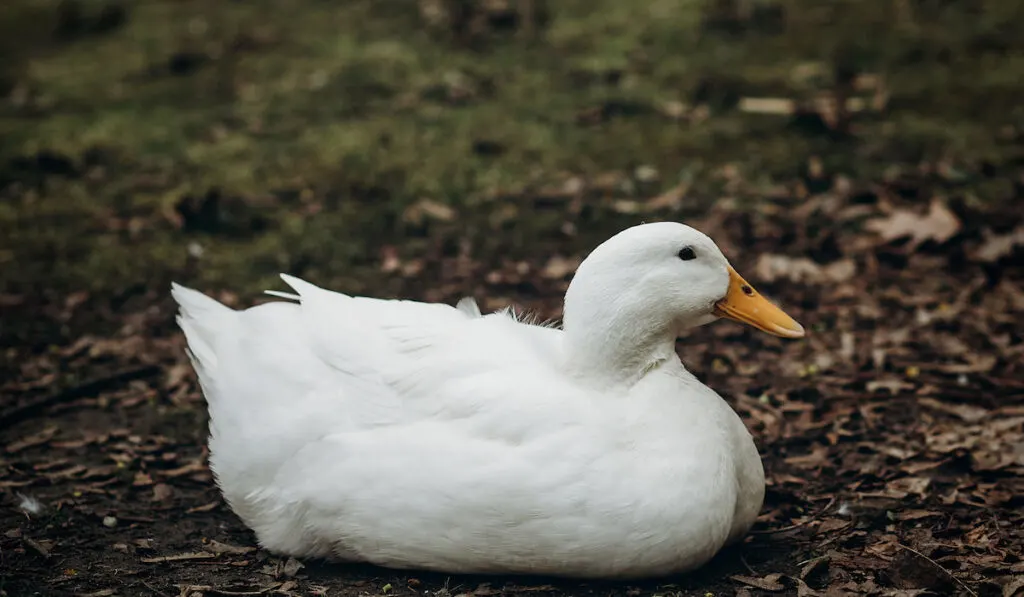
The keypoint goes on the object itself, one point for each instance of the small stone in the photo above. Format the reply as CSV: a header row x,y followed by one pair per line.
x,y
292,567
109,522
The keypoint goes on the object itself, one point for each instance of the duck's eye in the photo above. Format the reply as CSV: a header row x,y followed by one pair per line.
x,y
687,253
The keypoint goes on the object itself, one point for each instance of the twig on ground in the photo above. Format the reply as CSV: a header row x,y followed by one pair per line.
x,y
940,567
152,588
87,388
816,516
181,557
747,566
188,589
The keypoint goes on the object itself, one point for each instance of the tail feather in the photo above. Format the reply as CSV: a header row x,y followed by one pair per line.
x,y
201,318
301,287
284,295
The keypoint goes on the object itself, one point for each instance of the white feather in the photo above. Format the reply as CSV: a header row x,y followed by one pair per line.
x,y
29,505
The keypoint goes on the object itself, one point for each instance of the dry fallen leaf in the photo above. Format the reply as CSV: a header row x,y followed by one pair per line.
x,y
221,548
672,199
204,508
30,441
995,247
559,267
939,225
769,582
162,492
425,209
900,488
771,267
1014,587
966,412
767,105
291,567
389,260
892,385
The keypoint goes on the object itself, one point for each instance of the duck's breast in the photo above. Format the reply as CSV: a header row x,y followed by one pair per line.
x,y
590,490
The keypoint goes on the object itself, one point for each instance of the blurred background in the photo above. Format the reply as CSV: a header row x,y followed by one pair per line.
x,y
310,136
860,161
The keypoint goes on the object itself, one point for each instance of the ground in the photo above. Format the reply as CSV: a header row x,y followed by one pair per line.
x,y
864,168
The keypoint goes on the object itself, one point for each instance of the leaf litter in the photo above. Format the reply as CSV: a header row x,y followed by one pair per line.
x,y
893,438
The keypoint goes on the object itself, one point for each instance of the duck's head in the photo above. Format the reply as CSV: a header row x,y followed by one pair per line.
x,y
663,278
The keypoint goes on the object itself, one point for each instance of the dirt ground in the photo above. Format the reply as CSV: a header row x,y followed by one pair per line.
x,y
429,154
892,435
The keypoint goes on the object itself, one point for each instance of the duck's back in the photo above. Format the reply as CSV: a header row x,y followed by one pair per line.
x,y
281,374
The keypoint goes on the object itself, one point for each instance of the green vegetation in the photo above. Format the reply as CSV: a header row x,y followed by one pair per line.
x,y
293,135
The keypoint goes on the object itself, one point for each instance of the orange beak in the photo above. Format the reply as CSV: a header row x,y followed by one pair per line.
x,y
743,304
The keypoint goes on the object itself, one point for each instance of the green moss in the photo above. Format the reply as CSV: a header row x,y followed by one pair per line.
x,y
370,109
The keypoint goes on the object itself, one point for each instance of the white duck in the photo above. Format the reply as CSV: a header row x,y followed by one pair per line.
x,y
414,435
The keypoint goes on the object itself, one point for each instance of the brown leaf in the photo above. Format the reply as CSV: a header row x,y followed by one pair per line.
x,y
817,457
425,209
910,571
772,267
178,374
221,548
966,412
978,536
768,582
389,260
67,473
162,492
778,106
979,363
1013,587
804,590
204,508
832,524
900,488
995,247
892,385
671,199
818,567
292,567
559,267
32,440
192,467
626,206
939,225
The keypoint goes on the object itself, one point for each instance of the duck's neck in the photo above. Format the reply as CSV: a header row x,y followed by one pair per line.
x,y
613,346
